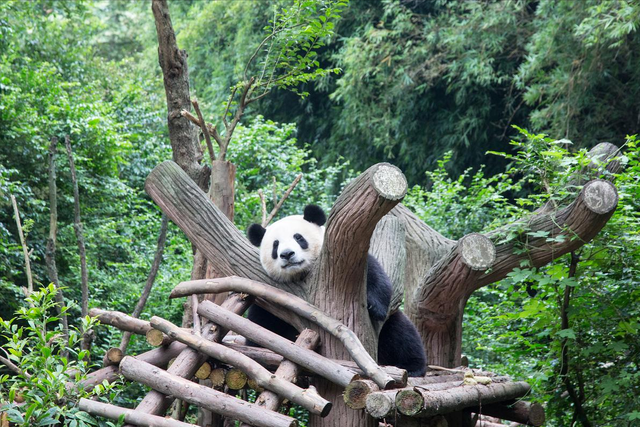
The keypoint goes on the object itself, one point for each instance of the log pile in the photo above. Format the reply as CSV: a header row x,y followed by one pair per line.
x,y
183,356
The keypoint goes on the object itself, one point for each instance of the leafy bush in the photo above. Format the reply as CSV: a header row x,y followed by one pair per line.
x,y
50,364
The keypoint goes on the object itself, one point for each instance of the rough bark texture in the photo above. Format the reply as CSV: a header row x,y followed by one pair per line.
x,y
158,357
338,286
226,248
271,360
387,245
353,347
122,321
436,303
173,62
200,395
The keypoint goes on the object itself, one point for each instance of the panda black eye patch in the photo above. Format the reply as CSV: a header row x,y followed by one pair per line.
x,y
274,251
301,241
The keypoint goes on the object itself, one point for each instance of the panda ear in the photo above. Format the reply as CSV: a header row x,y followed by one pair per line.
x,y
314,214
255,233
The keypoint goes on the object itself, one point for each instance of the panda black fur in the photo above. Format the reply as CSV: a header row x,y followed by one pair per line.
x,y
292,246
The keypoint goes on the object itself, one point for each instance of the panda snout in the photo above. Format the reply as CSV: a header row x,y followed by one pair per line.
x,y
287,254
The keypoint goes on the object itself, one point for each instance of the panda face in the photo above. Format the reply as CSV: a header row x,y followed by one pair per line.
x,y
289,247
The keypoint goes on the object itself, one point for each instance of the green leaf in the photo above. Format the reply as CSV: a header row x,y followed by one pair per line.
x,y
567,333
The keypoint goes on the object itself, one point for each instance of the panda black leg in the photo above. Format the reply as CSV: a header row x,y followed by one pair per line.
x,y
262,317
400,345
379,290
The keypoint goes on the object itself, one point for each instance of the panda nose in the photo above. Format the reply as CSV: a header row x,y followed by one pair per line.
x,y
287,254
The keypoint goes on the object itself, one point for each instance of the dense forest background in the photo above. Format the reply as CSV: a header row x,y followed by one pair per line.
x,y
431,86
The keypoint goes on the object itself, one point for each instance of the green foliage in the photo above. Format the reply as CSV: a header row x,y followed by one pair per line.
x,y
515,327
470,203
48,363
266,151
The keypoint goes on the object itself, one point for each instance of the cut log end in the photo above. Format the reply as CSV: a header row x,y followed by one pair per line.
x,y
379,405
478,252
600,196
156,338
390,182
217,377
204,371
355,395
112,357
536,414
236,379
409,402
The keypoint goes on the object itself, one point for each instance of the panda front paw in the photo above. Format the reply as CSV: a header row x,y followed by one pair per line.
x,y
377,312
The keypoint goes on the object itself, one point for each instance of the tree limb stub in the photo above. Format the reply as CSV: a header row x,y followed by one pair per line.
x,y
299,307
449,280
226,248
202,396
310,401
568,229
308,359
288,371
134,417
425,403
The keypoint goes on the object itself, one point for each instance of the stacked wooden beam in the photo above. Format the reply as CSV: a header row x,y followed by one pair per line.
x,y
238,366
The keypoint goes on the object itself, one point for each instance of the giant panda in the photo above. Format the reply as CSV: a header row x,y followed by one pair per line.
x,y
288,250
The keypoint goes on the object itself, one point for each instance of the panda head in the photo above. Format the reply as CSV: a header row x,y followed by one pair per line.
x,y
289,247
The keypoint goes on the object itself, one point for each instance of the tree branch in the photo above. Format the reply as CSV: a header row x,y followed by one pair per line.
x,y
205,130
134,417
284,197
189,360
25,250
226,248
287,371
338,285
87,336
566,230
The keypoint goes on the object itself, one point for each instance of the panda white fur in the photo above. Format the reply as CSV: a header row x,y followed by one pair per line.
x,y
288,250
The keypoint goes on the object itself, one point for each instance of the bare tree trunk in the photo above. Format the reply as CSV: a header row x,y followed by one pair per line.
x,y
87,336
50,254
173,62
